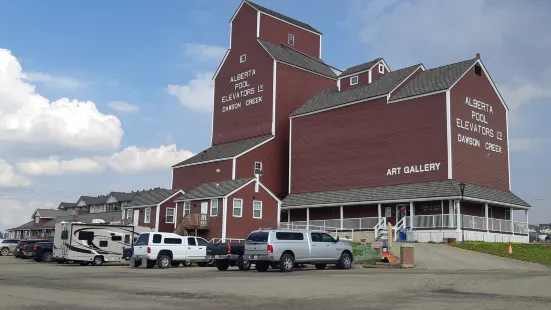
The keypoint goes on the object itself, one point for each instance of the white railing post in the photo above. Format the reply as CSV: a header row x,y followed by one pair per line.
x,y
512,222
411,214
307,218
342,217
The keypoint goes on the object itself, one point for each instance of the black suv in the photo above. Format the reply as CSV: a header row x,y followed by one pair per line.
x,y
28,247
43,251
18,253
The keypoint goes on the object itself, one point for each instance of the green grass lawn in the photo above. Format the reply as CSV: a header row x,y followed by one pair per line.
x,y
533,252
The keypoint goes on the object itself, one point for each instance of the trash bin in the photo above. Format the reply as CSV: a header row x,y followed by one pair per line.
x,y
402,235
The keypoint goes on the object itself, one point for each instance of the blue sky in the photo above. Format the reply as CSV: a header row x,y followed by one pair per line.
x,y
125,54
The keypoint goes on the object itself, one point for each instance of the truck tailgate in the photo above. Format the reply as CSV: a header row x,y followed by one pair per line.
x,y
255,248
216,249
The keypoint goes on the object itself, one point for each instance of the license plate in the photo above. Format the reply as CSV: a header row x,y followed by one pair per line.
x,y
216,256
255,257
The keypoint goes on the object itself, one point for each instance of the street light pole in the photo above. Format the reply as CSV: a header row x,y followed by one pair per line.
x,y
462,188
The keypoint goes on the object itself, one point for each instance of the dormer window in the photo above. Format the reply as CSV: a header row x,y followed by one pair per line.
x,y
36,220
354,80
381,68
291,39
243,58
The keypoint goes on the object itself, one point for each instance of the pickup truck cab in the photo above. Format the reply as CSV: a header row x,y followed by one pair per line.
x,y
228,254
168,249
283,248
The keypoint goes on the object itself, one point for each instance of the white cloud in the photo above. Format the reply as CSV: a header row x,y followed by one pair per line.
x,y
16,213
9,178
203,52
26,117
130,160
123,106
197,95
61,82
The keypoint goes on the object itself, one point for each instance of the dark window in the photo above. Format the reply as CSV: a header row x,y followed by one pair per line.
x,y
64,235
289,236
191,241
478,70
6,241
86,235
316,237
326,238
201,241
157,238
116,238
173,241
126,238
103,243
259,236
143,239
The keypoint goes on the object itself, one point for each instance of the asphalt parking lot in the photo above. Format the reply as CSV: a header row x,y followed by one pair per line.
x,y
25,284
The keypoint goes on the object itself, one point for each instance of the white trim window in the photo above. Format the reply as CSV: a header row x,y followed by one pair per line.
x,y
243,58
354,80
36,219
169,219
214,207
187,208
257,209
257,165
147,215
237,207
291,39
381,68
129,213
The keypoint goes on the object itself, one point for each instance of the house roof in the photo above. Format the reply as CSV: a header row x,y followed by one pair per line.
x,y
290,56
225,150
361,67
50,213
65,205
214,189
435,79
34,226
122,197
281,16
436,189
151,197
329,98
88,217
94,200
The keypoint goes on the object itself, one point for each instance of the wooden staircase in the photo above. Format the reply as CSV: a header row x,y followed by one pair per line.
x,y
192,222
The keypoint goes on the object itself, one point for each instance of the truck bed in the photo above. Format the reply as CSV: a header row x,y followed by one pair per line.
x,y
221,249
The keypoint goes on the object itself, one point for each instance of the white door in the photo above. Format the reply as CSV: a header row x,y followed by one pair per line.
x,y
192,249
204,212
136,217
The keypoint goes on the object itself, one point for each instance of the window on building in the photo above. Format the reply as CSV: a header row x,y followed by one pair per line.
x,y
187,208
381,68
129,213
237,207
257,209
243,58
169,215
147,215
214,207
257,167
291,39
354,80
478,70
36,219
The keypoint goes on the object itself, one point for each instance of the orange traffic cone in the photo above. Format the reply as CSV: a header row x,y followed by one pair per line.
x,y
510,249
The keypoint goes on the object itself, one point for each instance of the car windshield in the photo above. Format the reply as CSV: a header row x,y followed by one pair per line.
x,y
142,239
258,236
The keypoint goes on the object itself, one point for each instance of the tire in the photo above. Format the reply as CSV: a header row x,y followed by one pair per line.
x,y
60,261
202,264
175,264
286,263
261,266
243,265
222,265
164,261
150,264
98,261
137,263
345,262
4,252
320,266
47,257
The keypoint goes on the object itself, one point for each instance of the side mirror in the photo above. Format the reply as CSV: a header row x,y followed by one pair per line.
x,y
337,239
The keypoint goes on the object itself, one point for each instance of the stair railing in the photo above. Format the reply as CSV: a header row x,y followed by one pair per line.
x,y
381,225
399,227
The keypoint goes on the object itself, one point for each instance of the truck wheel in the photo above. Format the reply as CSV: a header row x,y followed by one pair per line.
x,y
150,263
4,252
137,263
261,266
345,262
286,263
60,261
175,264
320,266
98,261
243,265
222,265
164,261
47,258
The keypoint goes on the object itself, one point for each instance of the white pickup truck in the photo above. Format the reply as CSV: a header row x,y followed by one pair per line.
x,y
168,249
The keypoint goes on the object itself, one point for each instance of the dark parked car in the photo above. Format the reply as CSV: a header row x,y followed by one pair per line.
x,y
127,253
227,254
18,252
28,247
43,252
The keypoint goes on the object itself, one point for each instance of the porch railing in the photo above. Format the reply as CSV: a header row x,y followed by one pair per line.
x,y
433,221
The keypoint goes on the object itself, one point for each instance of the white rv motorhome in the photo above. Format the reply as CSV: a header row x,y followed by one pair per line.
x,y
96,243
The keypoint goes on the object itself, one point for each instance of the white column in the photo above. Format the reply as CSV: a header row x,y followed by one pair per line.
x,y
289,216
307,218
411,214
451,212
527,225
487,218
458,213
512,222
380,211
342,217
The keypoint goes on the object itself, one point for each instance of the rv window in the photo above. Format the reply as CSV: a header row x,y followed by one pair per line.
x,y
191,241
126,238
64,235
86,235
116,238
173,241
157,238
143,239
103,243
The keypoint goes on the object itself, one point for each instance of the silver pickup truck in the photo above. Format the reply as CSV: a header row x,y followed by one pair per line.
x,y
283,248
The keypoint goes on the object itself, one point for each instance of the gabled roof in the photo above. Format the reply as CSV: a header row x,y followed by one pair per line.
x,y
283,17
121,196
151,197
65,205
403,192
289,56
432,80
88,217
50,213
225,150
93,200
330,98
362,67
215,189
